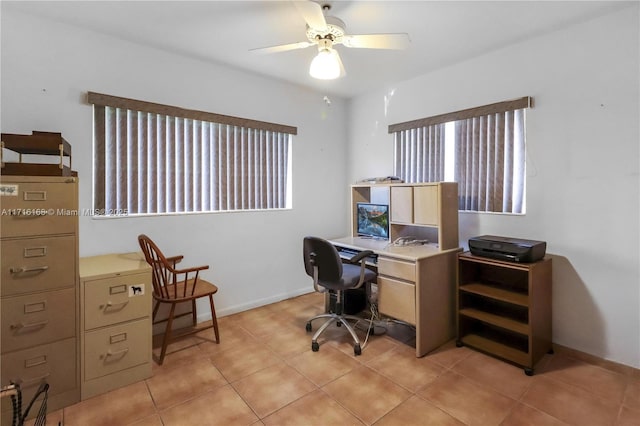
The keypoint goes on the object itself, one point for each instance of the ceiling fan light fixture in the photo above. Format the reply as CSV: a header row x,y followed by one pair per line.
x,y
326,65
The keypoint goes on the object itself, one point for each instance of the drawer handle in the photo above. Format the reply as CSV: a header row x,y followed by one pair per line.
x,y
35,380
115,306
22,326
119,354
24,269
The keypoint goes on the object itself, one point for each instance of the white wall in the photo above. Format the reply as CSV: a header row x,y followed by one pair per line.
x,y
255,257
582,165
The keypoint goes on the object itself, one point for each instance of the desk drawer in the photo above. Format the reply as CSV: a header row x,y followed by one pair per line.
x,y
397,268
53,362
112,300
397,299
39,208
117,348
37,264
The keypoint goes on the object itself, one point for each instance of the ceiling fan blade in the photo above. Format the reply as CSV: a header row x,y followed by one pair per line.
x,y
343,72
312,14
283,47
377,41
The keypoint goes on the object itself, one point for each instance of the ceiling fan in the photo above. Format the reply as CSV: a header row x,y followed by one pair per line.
x,y
327,31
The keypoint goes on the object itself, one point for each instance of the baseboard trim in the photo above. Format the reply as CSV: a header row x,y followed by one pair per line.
x,y
627,370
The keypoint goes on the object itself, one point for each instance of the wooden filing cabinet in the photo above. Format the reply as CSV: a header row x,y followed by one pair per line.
x,y
39,292
115,290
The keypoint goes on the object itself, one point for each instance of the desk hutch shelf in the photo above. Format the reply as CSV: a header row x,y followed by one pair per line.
x,y
504,308
422,210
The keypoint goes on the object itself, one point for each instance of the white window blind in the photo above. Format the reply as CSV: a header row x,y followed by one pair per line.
x,y
154,159
419,154
488,154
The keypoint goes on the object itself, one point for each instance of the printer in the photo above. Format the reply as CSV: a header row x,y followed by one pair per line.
x,y
505,248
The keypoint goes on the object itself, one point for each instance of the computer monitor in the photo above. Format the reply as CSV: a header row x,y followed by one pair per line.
x,y
373,220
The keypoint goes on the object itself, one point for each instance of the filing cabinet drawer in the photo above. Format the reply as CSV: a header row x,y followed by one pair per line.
x,y
111,300
38,318
397,268
37,208
397,299
54,362
37,264
116,348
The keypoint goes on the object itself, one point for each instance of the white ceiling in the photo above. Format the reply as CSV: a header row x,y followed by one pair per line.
x,y
441,32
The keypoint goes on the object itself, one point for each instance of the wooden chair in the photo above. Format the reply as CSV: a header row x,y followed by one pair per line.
x,y
174,286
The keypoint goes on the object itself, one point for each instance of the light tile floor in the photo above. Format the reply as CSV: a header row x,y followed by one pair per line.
x,y
264,373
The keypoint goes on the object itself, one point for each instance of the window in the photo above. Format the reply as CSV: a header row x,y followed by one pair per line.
x,y
157,159
483,149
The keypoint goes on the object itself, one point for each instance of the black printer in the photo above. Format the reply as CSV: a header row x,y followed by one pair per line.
x,y
505,248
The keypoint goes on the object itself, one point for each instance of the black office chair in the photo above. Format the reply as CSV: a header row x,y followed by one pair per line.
x,y
323,263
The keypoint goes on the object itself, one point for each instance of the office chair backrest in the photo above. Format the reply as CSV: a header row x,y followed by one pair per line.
x,y
321,253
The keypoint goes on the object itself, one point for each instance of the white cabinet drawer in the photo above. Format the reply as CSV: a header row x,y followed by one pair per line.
x,y
39,208
38,318
116,348
397,299
397,268
111,300
37,264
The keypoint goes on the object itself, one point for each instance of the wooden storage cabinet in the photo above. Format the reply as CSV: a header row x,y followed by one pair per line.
x,y
504,308
39,292
115,322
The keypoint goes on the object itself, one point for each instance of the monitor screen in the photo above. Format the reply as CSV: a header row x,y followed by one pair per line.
x,y
373,220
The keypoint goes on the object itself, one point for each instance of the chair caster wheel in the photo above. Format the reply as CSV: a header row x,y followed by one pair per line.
x,y
338,324
308,326
357,350
528,371
315,346
458,344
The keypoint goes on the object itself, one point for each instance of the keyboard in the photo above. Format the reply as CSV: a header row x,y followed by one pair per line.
x,y
348,253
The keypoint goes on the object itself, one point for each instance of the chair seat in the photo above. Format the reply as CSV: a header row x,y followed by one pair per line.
x,y
202,288
350,277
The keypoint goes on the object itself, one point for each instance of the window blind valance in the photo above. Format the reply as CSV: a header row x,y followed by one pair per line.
x,y
496,108
100,99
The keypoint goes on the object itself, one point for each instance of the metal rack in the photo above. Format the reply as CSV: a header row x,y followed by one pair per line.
x,y
14,392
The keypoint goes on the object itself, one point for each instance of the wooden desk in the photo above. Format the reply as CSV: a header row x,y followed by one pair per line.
x,y
416,284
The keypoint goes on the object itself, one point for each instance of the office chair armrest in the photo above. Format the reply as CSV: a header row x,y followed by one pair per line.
x,y
358,257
